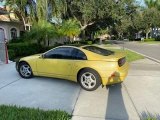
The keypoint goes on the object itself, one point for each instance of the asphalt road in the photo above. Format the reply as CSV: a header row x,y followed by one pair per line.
x,y
150,50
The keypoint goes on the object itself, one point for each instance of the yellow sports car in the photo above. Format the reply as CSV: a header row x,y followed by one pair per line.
x,y
90,66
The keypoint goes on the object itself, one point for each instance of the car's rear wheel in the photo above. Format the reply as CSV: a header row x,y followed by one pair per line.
x,y
89,79
25,70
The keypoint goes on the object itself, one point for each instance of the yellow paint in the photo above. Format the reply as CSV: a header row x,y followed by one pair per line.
x,y
68,69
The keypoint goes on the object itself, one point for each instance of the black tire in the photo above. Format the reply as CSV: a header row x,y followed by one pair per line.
x,y
84,82
23,68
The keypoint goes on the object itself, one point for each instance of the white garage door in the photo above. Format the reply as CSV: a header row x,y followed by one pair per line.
x,y
2,46
2,35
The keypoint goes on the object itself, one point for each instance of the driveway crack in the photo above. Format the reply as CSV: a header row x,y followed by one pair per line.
x,y
131,100
8,84
76,101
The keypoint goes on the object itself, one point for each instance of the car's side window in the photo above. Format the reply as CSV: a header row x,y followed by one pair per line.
x,y
79,55
60,53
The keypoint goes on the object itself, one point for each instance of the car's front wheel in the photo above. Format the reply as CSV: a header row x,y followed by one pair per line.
x,y
25,70
89,79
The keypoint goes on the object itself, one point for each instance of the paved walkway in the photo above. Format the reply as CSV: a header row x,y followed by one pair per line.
x,y
132,100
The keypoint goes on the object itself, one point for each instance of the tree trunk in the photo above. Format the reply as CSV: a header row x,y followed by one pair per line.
x,y
83,35
147,35
20,16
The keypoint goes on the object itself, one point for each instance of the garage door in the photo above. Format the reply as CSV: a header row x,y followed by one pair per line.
x,y
1,35
2,46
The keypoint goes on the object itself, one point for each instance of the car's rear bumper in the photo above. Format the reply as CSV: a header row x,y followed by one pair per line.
x,y
117,76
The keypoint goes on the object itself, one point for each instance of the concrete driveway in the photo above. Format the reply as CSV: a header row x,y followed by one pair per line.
x,y
137,96
43,93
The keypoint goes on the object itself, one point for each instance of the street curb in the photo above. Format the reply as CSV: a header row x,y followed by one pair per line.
x,y
153,59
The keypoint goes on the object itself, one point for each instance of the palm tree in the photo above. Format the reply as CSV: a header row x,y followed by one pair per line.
x,y
153,4
17,7
70,28
42,31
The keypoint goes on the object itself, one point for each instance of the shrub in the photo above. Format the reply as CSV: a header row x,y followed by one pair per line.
x,y
23,49
18,40
86,42
89,42
11,54
149,39
158,38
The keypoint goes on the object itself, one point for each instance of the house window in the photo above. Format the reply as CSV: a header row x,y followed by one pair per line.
x,y
13,33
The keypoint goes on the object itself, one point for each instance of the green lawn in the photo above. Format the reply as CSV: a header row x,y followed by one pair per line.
x,y
22,113
151,42
131,56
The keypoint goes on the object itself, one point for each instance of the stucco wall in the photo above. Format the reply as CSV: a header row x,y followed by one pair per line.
x,y
7,26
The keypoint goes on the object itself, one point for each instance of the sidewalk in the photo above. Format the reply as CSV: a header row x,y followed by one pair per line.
x,y
132,100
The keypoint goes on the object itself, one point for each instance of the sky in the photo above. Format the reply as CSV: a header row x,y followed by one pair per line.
x,y
141,2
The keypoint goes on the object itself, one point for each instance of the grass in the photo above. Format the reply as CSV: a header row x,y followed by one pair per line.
x,y
151,42
131,56
149,116
23,113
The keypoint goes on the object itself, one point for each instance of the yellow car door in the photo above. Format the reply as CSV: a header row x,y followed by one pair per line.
x,y
57,62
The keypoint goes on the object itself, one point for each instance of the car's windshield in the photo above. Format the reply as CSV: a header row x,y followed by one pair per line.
x,y
98,50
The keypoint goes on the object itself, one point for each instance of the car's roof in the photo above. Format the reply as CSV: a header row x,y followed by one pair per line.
x,y
77,47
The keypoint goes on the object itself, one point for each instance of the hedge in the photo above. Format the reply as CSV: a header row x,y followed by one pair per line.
x,y
149,39
23,49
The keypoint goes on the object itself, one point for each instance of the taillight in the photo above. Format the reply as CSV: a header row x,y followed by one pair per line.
x,y
121,61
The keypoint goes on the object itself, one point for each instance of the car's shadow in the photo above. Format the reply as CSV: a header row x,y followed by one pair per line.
x,y
115,104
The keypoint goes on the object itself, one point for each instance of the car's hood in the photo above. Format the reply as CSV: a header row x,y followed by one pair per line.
x,y
31,57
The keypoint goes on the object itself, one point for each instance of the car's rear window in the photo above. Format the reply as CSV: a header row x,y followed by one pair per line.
x,y
98,50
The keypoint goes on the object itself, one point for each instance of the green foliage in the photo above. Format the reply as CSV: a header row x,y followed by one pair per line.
x,y
101,32
149,39
131,56
23,49
69,28
157,38
17,41
145,115
86,42
151,17
152,3
42,31
22,113
89,42
12,54
124,18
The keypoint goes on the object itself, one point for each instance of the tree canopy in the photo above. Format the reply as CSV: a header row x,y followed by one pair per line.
x,y
121,17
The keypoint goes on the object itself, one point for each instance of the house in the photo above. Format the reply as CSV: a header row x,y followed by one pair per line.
x,y
10,27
